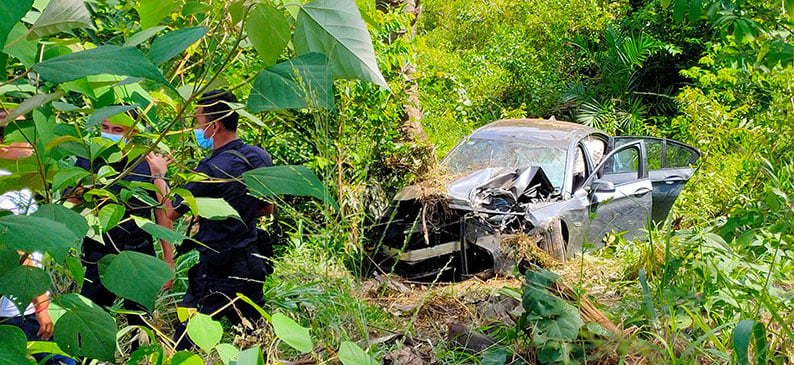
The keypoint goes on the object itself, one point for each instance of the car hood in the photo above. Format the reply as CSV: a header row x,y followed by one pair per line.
x,y
478,188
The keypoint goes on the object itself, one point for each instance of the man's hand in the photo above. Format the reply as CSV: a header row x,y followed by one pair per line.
x,y
158,164
45,325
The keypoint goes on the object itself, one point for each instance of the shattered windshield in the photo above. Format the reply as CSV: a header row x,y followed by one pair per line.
x,y
475,154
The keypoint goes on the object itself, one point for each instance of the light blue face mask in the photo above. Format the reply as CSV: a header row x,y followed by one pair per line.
x,y
201,139
112,137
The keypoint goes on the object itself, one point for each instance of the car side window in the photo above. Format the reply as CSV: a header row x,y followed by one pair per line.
x,y
679,156
622,167
579,169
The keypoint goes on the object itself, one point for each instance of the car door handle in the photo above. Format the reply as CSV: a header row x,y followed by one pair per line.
x,y
673,179
641,192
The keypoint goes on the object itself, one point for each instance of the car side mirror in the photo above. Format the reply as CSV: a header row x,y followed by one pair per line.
x,y
601,186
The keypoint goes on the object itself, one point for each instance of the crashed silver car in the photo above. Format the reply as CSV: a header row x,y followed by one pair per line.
x,y
556,185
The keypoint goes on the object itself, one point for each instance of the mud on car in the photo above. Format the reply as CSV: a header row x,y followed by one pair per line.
x,y
528,182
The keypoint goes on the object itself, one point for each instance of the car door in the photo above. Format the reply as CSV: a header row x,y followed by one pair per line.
x,y
619,194
670,166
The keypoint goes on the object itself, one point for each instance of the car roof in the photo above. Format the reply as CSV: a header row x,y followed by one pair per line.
x,y
536,131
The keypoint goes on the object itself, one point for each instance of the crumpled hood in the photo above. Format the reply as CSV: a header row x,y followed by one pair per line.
x,y
475,188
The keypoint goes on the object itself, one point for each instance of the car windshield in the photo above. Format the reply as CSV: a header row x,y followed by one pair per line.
x,y
475,154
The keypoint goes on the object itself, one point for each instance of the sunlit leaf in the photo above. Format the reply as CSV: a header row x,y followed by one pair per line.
x,y
77,270
22,49
23,283
13,343
110,215
297,83
60,16
252,356
114,60
216,208
104,113
148,273
351,354
335,28
151,12
186,358
158,231
227,352
297,180
85,329
10,13
204,331
29,104
268,30
291,332
173,43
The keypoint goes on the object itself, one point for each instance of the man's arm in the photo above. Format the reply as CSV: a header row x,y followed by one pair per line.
x,y
42,305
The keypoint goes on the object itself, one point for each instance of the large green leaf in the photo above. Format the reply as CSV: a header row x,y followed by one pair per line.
x,y
110,215
204,331
71,219
298,83
25,233
10,13
104,113
142,36
134,275
85,329
29,105
151,12
22,49
268,30
216,209
13,345
291,332
159,232
252,356
186,358
351,354
60,16
266,182
227,352
114,60
335,28
173,43
23,283
68,177
9,259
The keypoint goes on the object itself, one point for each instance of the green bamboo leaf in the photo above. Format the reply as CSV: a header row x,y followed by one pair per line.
x,y
151,12
85,329
168,45
268,30
216,209
23,283
335,28
266,182
297,83
148,273
114,60
10,13
24,233
13,345
291,332
58,213
61,16
351,354
204,331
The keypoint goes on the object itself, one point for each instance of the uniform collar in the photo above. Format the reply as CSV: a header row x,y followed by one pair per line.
x,y
229,146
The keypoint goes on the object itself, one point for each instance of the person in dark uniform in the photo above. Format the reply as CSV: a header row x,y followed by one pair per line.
x,y
230,258
126,236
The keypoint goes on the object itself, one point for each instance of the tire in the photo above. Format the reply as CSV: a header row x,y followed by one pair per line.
x,y
555,244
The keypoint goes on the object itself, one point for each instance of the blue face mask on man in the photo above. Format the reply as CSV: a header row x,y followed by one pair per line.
x,y
202,140
111,136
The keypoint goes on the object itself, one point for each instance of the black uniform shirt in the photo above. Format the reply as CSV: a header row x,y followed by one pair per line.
x,y
228,162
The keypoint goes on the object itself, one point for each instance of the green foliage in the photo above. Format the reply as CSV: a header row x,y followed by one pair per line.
x,y
351,354
291,332
23,283
114,60
61,16
85,329
204,331
268,30
304,81
11,12
174,43
12,345
285,180
148,273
